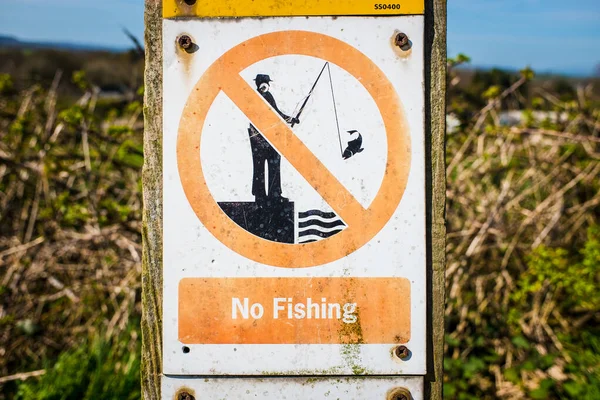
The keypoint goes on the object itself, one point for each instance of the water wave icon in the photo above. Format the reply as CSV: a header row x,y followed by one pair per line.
x,y
316,225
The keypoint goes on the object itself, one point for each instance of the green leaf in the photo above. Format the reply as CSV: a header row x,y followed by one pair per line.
x,y
539,393
527,73
572,388
512,375
529,366
449,389
520,342
473,365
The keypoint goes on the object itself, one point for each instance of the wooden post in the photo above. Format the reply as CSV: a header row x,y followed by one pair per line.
x,y
435,128
152,215
435,83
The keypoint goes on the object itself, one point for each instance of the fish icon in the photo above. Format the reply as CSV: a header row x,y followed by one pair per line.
x,y
354,145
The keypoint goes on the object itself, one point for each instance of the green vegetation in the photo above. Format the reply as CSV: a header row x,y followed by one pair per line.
x,y
523,251
570,367
107,70
106,369
522,317
70,212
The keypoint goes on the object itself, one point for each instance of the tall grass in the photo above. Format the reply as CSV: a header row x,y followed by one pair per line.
x,y
70,211
523,247
107,369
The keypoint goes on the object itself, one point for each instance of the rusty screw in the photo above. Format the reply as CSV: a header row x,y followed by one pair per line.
x,y
185,41
185,396
189,2
400,394
402,352
401,40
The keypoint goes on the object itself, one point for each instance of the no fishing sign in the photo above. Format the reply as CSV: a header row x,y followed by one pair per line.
x,y
294,189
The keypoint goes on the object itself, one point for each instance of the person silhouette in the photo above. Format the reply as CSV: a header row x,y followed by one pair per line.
x,y
262,152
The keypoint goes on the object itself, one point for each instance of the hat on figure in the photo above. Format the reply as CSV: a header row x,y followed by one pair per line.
x,y
261,78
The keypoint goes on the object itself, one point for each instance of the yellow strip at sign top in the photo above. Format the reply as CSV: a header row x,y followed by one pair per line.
x,y
282,8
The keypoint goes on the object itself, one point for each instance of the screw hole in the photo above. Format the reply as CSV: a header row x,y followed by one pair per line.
x,y
400,394
402,352
185,41
403,41
189,2
185,349
185,396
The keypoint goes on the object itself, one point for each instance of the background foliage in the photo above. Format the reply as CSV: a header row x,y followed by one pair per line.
x,y
523,238
70,212
523,156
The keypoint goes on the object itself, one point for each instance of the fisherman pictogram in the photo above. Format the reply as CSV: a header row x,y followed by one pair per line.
x,y
262,151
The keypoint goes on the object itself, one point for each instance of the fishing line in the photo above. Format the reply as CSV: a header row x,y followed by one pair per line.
x,y
337,121
335,111
298,105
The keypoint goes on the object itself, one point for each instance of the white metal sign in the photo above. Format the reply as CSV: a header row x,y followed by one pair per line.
x,y
396,388
294,197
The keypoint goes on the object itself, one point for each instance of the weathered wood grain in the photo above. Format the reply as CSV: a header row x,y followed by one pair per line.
x,y
152,215
435,128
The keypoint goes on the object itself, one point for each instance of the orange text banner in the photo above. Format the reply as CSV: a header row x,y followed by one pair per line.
x,y
294,310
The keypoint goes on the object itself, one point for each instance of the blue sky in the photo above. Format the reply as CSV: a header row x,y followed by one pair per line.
x,y
549,35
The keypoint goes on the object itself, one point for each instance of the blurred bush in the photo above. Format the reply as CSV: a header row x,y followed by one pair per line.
x,y
70,222
100,369
522,316
117,72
